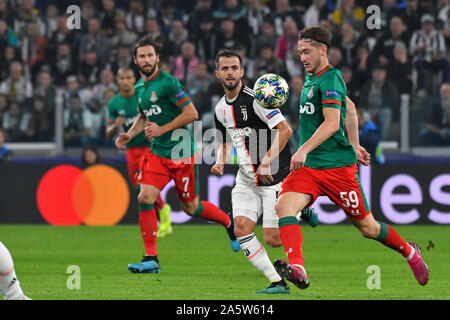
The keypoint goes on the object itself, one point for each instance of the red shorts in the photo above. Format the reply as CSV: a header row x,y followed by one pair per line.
x,y
158,171
135,156
341,185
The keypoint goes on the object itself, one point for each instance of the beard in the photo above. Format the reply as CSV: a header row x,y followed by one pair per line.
x,y
147,73
232,86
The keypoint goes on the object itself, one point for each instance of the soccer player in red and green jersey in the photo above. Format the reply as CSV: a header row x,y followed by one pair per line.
x,y
165,107
326,164
122,112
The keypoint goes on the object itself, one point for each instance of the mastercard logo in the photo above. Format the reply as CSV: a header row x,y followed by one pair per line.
x,y
96,196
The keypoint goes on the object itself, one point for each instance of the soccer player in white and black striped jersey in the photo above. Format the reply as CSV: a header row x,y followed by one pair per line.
x,y
263,164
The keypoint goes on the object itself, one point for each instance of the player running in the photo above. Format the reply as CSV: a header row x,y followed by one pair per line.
x,y
325,164
164,107
122,112
258,181
9,284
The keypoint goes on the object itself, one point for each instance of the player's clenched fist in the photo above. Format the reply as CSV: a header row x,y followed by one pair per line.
x,y
217,170
122,140
153,130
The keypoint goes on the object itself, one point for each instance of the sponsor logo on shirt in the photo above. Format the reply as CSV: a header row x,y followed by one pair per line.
x,y
153,97
272,114
331,93
311,92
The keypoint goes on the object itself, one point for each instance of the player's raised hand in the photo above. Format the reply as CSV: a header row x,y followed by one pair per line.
x,y
153,130
263,173
298,160
122,140
362,155
217,170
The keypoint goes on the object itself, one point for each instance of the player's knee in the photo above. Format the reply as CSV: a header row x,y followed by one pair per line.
x,y
189,209
369,232
144,197
241,230
272,241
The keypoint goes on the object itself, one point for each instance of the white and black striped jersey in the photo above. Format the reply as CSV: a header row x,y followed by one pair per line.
x,y
249,127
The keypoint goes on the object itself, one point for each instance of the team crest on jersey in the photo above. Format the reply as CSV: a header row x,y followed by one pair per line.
x,y
153,97
244,112
311,92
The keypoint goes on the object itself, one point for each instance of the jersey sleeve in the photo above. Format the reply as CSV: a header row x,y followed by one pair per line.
x,y
112,115
271,117
333,92
177,95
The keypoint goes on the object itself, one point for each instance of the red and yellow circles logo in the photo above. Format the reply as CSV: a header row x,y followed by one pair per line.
x,y
96,196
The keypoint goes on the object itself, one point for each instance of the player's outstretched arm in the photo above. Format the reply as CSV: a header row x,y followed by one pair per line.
x,y
138,127
351,126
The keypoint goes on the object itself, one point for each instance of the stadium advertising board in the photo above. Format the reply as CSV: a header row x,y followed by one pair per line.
x,y
102,195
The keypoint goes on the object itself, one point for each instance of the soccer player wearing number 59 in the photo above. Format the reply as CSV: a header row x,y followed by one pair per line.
x,y
326,164
164,107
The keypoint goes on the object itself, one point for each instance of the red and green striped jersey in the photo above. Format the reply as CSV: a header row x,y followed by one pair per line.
x,y
119,106
325,89
160,100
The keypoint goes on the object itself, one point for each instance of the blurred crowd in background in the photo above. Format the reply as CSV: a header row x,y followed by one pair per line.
x,y
44,64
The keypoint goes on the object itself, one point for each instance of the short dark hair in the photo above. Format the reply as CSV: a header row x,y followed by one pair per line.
x,y
228,53
317,34
148,41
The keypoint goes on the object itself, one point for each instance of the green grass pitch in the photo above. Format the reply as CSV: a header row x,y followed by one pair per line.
x,y
197,263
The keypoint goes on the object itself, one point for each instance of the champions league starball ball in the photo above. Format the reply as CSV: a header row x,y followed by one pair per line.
x,y
271,91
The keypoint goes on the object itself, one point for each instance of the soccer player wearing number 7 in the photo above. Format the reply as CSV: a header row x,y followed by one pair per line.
x,y
326,164
165,107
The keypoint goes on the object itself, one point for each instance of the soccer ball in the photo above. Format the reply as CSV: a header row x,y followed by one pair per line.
x,y
271,91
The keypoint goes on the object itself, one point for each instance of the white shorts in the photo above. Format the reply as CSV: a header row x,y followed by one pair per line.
x,y
252,202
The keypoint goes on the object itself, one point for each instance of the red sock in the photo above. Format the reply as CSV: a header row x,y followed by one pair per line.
x,y
149,229
292,239
209,211
159,204
390,238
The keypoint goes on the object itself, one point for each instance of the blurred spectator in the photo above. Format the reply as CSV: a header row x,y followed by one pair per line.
x,y
16,86
63,35
33,53
25,13
267,62
73,88
153,28
99,90
247,63
294,66
5,152
7,12
443,16
62,66
380,98
383,51
349,41
437,127
7,36
87,12
124,59
348,13
178,35
283,12
3,106
202,10
168,13
77,124
51,20
187,62
93,40
229,37
267,36
369,137
89,69
122,36
13,124
400,69
428,49
136,17
360,70
197,85
316,12
108,17
411,16
205,40
350,83
89,157
235,11
287,41
39,124
255,16
9,55
388,10
335,57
